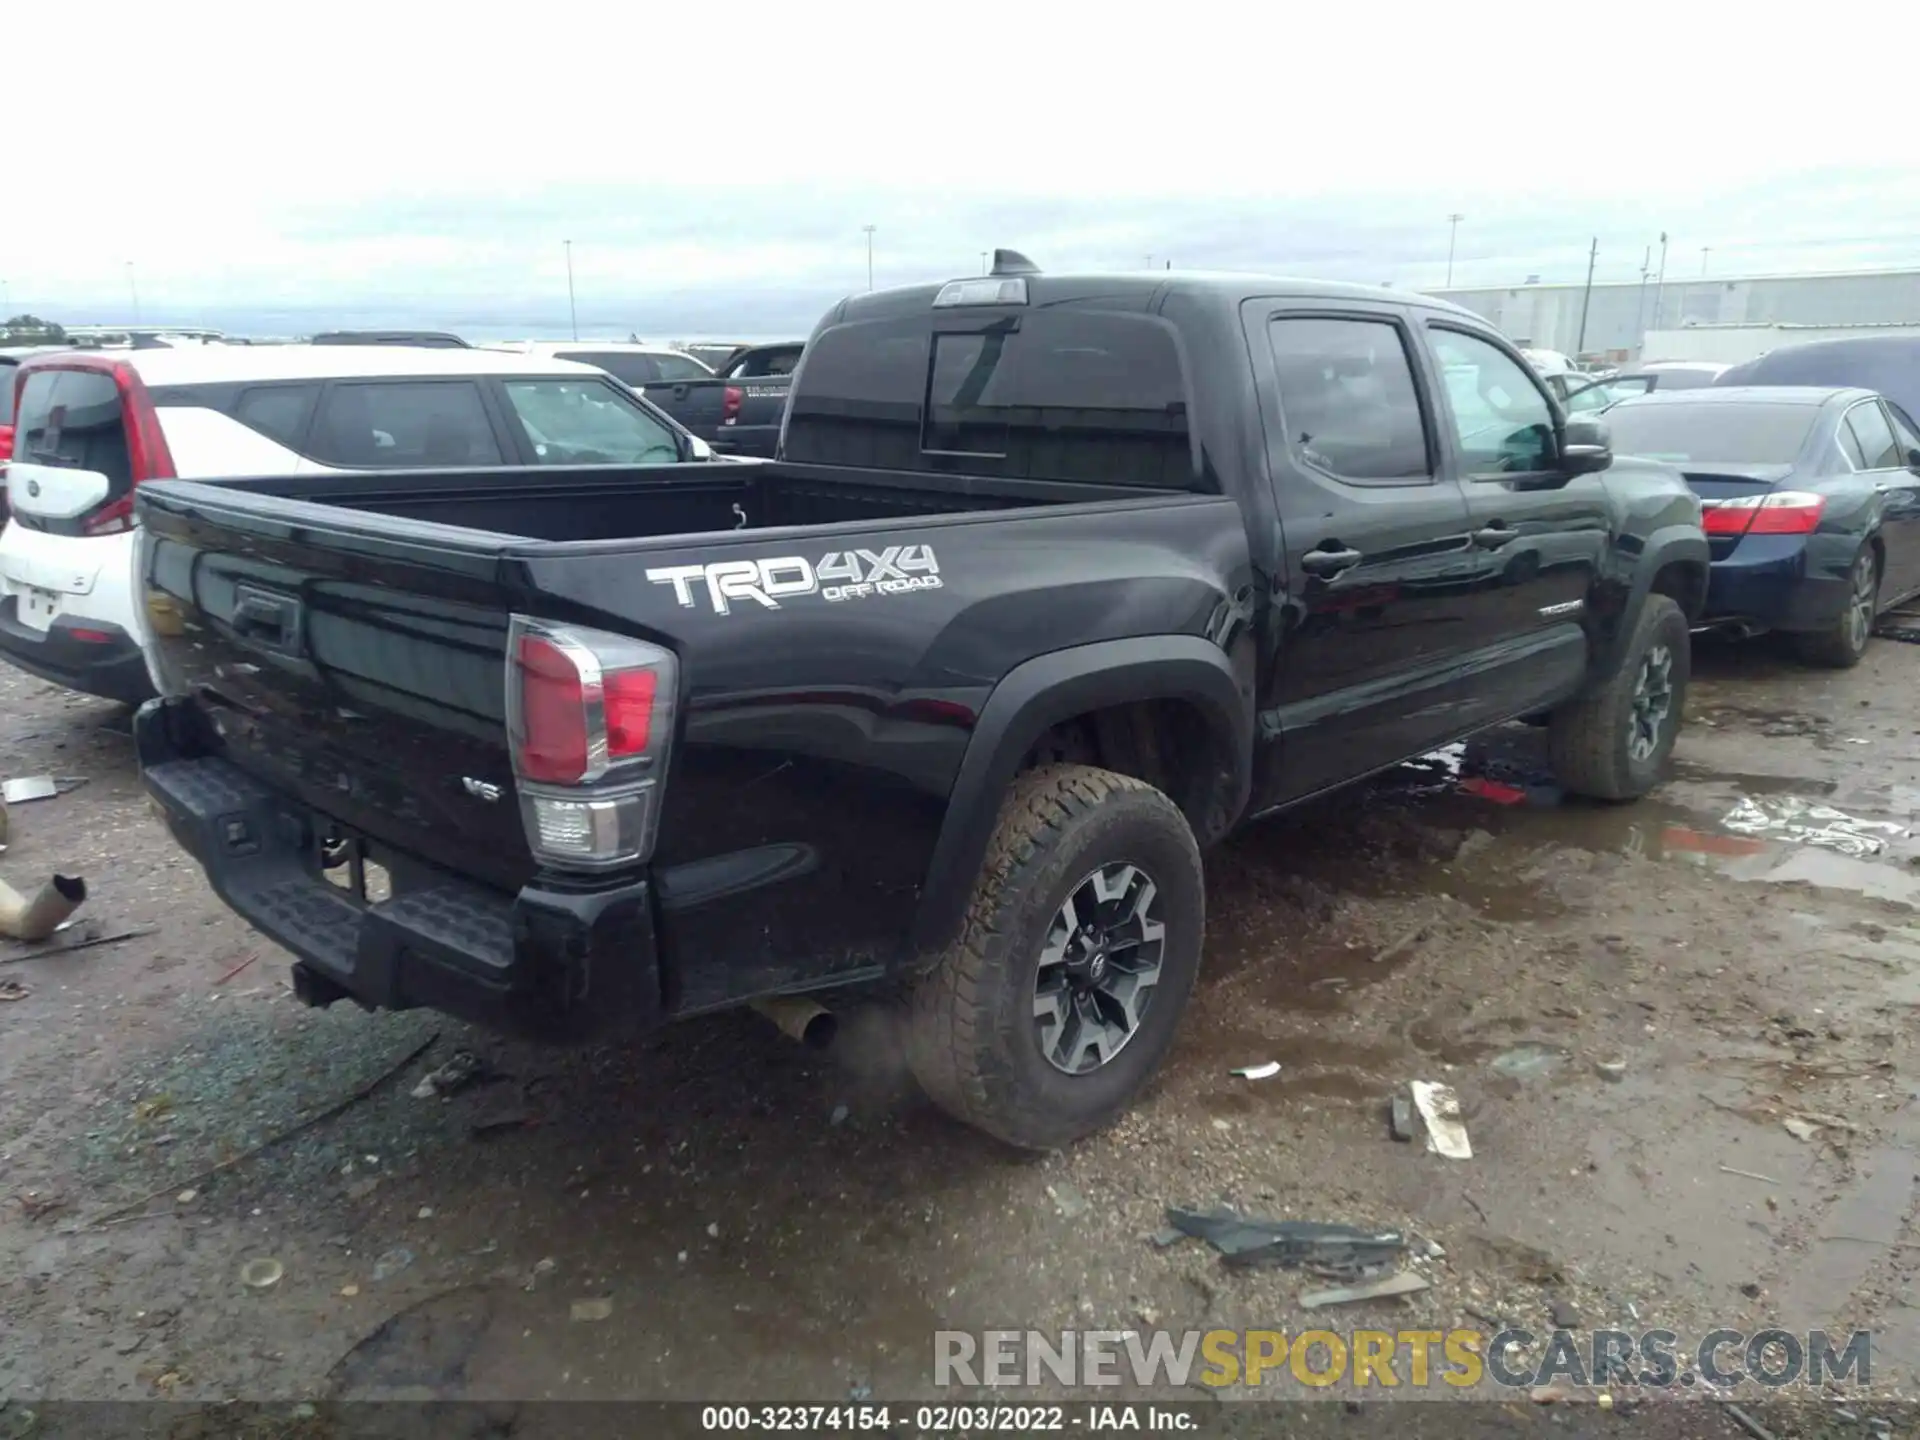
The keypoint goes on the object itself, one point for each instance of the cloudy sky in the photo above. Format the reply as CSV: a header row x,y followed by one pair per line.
x,y
714,164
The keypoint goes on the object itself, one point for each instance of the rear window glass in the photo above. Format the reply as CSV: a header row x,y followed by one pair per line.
x,y
71,418
404,425
1044,395
1707,432
278,412
758,364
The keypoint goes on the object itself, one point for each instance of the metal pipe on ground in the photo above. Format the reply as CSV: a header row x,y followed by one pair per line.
x,y
799,1019
22,918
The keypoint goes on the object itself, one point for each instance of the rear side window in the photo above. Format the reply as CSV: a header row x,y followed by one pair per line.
x,y
7,377
1045,395
415,424
71,418
572,422
1347,393
278,412
634,368
1870,429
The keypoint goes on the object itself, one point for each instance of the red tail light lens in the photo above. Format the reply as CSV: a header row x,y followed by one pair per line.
x,y
589,719
731,399
1785,512
6,442
552,745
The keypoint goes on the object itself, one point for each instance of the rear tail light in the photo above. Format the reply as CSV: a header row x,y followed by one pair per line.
x,y
1785,512
731,399
148,457
590,722
6,443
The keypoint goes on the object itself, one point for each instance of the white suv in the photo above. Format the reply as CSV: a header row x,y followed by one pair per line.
x,y
90,426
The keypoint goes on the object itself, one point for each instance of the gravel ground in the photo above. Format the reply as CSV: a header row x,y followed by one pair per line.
x,y
1630,1001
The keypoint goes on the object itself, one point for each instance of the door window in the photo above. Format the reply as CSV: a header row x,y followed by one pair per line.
x,y
1348,397
1870,428
404,425
1501,420
574,422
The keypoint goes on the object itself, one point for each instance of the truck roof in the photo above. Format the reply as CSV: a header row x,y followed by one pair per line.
x,y
1138,290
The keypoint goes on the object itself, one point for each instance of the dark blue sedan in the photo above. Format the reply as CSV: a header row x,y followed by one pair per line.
x,y
1811,501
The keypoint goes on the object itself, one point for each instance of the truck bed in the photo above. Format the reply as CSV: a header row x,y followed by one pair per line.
x,y
599,503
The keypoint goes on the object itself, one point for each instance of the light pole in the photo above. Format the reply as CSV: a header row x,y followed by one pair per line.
x,y
573,313
983,262
1586,298
1660,283
1453,233
133,289
1705,251
869,231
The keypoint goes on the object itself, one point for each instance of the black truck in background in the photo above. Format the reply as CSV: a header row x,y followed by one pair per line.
x,y
738,412
1058,580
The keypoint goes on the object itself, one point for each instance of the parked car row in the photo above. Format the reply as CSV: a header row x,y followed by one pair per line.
x,y
1807,461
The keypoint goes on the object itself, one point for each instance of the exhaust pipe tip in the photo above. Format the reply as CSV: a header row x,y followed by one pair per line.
x,y
813,1026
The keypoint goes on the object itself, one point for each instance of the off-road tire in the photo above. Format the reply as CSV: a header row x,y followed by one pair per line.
x,y
971,1038
1840,645
1588,738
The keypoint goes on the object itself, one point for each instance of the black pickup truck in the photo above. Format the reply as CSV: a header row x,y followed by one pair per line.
x,y
1059,579
737,412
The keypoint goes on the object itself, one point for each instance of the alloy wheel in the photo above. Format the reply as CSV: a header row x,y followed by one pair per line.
x,y
1099,968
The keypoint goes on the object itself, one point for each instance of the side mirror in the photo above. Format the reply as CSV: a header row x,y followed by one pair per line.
x,y
1913,459
1586,446
699,449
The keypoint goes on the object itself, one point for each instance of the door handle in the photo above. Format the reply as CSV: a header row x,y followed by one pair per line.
x,y
1329,562
1494,536
272,621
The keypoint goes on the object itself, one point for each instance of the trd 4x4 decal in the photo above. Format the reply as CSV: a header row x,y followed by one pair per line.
x,y
838,575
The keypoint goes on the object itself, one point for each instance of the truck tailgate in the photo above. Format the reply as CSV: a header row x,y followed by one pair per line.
x,y
356,666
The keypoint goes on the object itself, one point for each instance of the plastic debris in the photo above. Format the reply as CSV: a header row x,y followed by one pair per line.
x,y
38,787
1400,1119
460,1070
1612,1070
1403,1282
13,990
261,1274
1327,1249
1802,821
392,1262
839,1115
1264,1071
1067,1200
38,916
1800,1129
1440,1108
599,1309
1528,1062
186,1197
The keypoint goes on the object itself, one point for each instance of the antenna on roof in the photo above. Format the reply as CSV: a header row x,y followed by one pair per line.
x,y
1012,262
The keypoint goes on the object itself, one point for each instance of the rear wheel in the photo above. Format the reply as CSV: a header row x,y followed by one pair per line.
x,y
1059,999
1841,644
1613,742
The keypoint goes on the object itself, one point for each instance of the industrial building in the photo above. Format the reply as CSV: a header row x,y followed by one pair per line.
x,y
1631,320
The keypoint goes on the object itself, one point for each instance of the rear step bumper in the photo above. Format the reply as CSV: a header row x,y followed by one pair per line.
x,y
544,964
